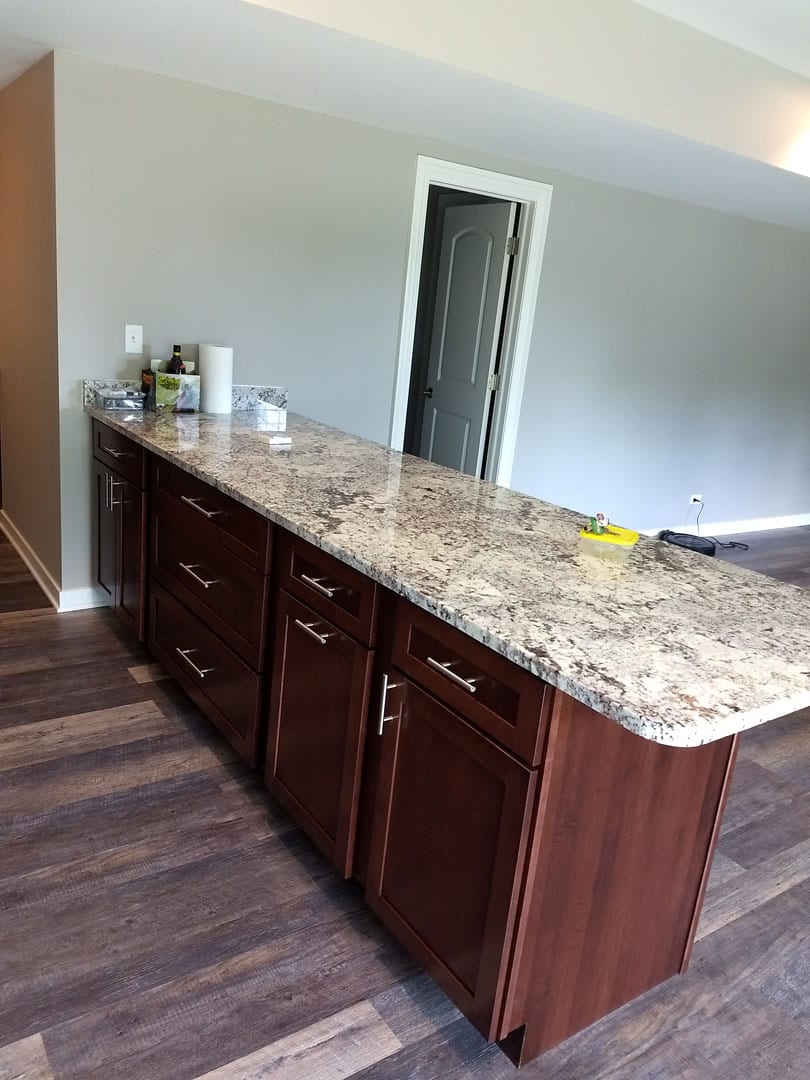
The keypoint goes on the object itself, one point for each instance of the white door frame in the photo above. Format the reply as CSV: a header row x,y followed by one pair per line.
x,y
535,200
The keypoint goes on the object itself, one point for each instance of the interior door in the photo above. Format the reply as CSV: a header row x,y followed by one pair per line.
x,y
470,296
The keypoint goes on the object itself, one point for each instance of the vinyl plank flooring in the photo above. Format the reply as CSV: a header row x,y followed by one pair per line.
x,y
455,1052
25,1060
65,833
18,590
769,834
331,1049
140,934
50,740
733,898
179,1028
755,792
40,786
145,673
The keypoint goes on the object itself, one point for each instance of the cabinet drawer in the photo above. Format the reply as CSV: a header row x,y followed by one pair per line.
x,y
227,594
510,704
221,684
119,453
332,588
209,512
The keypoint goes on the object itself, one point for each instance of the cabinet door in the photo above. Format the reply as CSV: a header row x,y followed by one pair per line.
x,y
129,504
452,820
317,722
105,554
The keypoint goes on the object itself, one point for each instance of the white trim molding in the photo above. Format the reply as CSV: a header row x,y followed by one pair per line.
x,y
535,200
734,528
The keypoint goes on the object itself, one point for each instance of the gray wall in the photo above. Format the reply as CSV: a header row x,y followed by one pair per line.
x,y
206,215
671,355
29,419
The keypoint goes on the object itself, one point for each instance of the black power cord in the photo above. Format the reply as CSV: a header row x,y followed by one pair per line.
x,y
714,540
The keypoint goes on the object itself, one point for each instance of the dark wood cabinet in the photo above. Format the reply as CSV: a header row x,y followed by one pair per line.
x,y
451,829
319,698
105,553
121,525
210,586
504,700
221,684
544,863
229,595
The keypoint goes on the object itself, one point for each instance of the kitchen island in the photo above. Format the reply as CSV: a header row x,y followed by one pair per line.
x,y
581,831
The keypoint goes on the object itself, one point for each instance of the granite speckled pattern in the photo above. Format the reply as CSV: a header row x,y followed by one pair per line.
x,y
258,397
270,400
680,648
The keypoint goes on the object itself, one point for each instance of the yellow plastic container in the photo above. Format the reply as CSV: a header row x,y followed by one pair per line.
x,y
614,540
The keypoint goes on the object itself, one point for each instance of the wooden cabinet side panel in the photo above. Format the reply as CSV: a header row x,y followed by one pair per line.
x,y
625,832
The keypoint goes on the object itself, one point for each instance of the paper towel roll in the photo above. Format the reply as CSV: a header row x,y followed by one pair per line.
x,y
216,378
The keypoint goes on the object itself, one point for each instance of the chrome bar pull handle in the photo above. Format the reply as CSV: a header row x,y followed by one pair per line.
x,y
307,627
114,484
202,672
315,583
114,453
444,667
189,569
383,719
199,509
107,478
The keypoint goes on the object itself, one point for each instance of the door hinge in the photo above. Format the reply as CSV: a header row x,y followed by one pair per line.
x,y
494,381
512,245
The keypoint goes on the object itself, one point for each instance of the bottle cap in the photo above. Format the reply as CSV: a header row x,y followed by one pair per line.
x,y
176,348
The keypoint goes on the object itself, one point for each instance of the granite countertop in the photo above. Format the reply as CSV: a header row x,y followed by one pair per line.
x,y
677,647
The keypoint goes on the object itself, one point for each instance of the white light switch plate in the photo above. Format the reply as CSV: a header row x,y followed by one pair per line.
x,y
134,338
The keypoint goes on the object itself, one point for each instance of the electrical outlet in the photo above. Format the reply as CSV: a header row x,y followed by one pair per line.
x,y
133,336
696,499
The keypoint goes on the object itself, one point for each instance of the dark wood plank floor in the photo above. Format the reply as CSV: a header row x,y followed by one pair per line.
x,y
18,590
161,919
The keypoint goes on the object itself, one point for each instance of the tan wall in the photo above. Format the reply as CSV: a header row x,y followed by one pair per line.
x,y
29,397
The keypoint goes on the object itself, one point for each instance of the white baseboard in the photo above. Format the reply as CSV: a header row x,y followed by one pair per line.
x,y
38,569
81,599
733,528
61,599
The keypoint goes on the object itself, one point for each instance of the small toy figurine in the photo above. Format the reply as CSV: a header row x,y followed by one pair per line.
x,y
598,524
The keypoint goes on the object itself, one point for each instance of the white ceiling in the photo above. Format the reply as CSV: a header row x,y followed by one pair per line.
x,y
777,30
237,46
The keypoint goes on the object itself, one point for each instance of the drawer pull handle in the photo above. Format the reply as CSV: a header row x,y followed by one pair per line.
x,y
383,719
307,628
189,569
114,453
202,672
444,667
199,509
315,583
